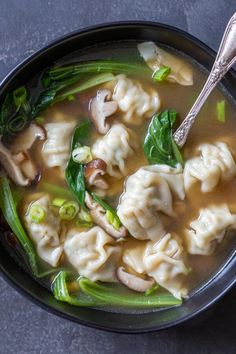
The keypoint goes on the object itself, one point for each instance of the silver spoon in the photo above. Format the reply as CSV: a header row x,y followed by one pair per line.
x,y
225,58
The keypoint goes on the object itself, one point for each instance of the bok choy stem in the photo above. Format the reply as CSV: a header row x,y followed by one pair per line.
x,y
61,293
8,207
91,82
103,66
111,297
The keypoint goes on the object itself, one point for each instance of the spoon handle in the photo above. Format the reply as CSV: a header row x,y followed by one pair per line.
x,y
225,58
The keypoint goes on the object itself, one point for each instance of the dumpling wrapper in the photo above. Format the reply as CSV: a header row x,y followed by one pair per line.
x,y
136,103
209,229
214,164
115,148
164,261
133,257
56,149
156,57
46,234
148,194
93,253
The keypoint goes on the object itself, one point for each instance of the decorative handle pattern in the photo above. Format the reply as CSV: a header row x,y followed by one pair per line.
x,y
225,58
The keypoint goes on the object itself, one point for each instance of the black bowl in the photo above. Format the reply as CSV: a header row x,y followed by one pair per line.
x,y
216,287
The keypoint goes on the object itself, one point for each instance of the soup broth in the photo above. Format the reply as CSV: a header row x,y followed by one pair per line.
x,y
207,130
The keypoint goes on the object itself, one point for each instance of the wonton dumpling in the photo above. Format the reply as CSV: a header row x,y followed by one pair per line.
x,y
145,194
45,235
173,176
115,148
56,149
164,261
134,101
93,253
133,257
209,229
156,57
215,163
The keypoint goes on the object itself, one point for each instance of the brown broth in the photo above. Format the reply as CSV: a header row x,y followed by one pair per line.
x,y
206,129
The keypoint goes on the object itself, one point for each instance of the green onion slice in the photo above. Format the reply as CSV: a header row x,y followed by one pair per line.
x,y
220,109
161,74
37,213
68,210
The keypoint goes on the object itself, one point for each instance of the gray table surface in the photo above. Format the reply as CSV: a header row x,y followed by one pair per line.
x,y
27,25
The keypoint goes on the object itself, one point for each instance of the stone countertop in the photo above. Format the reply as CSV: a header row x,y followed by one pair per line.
x,y
27,25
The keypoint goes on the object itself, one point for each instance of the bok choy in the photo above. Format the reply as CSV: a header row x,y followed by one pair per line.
x,y
75,171
114,297
61,292
159,144
8,207
94,294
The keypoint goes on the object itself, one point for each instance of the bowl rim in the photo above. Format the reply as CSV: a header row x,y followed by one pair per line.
x,y
26,291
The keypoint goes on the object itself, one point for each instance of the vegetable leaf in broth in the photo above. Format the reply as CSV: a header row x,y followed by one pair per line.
x,y
74,171
8,207
15,112
114,297
61,293
114,218
51,94
94,294
159,145
21,107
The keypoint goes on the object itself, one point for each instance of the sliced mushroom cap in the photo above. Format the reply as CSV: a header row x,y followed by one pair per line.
x,y
25,140
93,173
133,282
101,107
99,217
17,161
12,168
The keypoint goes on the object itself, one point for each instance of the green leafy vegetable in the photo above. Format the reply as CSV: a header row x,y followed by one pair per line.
x,y
161,74
39,120
75,172
14,112
94,294
52,95
111,215
91,82
159,145
8,203
114,297
20,107
61,293
152,289
61,73
220,109
19,97
8,208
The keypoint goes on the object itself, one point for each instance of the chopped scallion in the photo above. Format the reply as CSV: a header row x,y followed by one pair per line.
x,y
161,74
85,216
39,120
112,220
220,109
19,97
37,213
68,210
82,154
58,202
